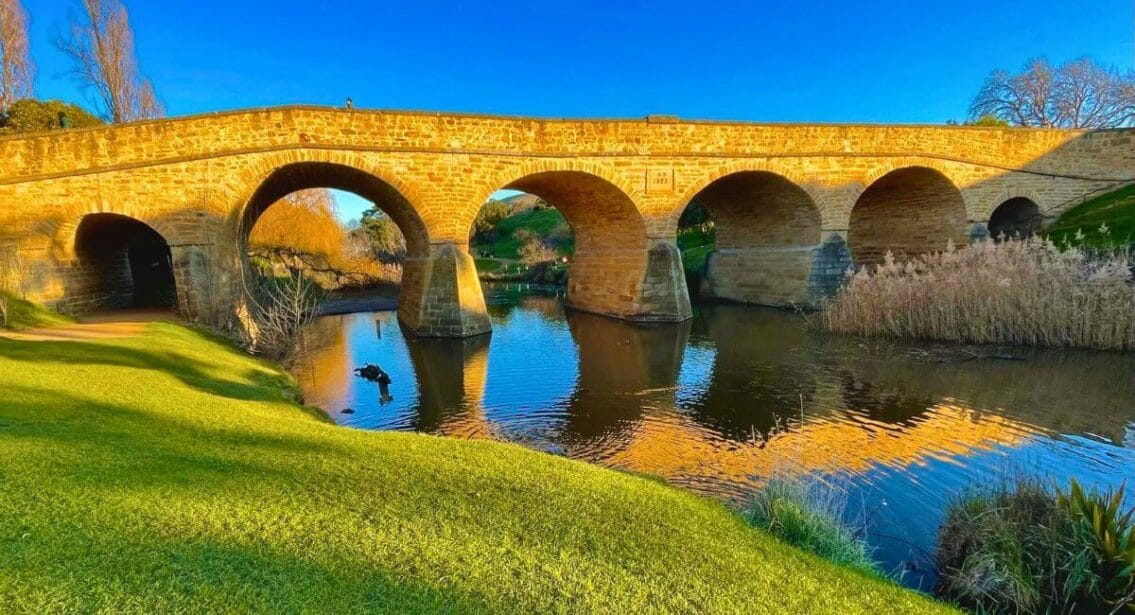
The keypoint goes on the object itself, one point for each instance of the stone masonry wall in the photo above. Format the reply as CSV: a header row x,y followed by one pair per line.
x,y
190,179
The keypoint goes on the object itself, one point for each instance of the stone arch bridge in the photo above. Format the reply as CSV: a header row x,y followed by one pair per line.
x,y
794,205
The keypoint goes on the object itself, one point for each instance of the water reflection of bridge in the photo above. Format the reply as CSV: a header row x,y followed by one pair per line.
x,y
638,401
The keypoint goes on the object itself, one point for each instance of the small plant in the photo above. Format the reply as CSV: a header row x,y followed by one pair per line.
x,y
1022,547
810,517
1101,519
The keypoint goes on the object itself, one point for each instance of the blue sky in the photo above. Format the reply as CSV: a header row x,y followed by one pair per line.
x,y
782,61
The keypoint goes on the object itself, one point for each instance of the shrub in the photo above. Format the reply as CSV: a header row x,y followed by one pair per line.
x,y
283,307
1023,548
810,517
1021,291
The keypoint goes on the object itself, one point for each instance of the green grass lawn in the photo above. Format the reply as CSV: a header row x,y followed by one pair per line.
x,y
1115,209
488,265
169,472
696,246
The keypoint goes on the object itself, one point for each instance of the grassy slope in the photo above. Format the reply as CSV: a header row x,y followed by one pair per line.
x,y
1116,209
170,472
26,315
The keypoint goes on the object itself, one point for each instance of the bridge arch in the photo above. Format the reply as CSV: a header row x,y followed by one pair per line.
x,y
115,261
907,211
767,229
295,176
438,294
616,270
1017,217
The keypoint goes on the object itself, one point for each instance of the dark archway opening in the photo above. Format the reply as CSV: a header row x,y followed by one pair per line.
x,y
750,237
1017,218
123,264
907,212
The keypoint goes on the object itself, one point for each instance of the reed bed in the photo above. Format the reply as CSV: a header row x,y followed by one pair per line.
x,y
1018,291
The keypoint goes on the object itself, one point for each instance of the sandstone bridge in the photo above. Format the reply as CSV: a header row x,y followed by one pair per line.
x,y
794,205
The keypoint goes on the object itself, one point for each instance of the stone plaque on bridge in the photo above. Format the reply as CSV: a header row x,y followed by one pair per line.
x,y
660,179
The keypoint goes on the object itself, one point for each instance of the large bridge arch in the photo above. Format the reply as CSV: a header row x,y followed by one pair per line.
x,y
618,269
439,294
907,211
768,235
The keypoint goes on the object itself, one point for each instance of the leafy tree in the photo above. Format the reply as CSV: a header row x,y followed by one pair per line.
x,y
385,239
304,222
31,115
485,226
991,121
694,215
1080,94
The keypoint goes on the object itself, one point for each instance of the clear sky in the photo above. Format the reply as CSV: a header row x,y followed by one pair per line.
x,y
906,61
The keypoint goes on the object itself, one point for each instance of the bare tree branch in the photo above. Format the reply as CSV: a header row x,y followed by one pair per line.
x,y
1080,94
101,46
17,72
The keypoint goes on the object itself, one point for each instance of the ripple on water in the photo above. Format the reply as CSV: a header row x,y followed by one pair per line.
x,y
741,394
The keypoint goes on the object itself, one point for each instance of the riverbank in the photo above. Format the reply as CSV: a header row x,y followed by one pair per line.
x,y
167,471
373,299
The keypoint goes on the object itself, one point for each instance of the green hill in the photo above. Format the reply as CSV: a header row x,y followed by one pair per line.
x,y
1115,209
510,233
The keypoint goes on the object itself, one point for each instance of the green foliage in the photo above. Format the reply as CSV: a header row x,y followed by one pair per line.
x,y
1105,222
384,237
512,232
991,121
811,518
491,215
694,215
30,115
169,472
696,243
488,265
1101,518
1021,548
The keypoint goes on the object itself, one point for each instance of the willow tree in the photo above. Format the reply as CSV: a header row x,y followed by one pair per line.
x,y
101,47
16,69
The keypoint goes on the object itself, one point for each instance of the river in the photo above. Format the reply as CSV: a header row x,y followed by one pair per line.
x,y
740,394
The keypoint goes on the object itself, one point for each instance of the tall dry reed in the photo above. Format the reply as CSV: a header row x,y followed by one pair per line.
x,y
1019,291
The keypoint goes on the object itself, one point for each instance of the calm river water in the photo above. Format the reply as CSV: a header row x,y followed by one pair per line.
x,y
739,394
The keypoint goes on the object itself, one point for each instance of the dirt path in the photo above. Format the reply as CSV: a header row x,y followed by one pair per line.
x,y
105,325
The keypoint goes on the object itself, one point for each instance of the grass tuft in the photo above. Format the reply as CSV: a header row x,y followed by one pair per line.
x,y
810,517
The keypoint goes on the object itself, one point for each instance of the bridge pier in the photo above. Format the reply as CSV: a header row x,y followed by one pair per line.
x,y
441,294
631,283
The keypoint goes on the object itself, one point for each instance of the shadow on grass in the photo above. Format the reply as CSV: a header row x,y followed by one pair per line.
x,y
206,574
124,447
260,385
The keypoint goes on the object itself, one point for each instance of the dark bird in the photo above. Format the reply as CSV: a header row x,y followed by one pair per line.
x,y
373,373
